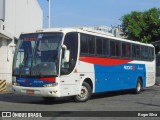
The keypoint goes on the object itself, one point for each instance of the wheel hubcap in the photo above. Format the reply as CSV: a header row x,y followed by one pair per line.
x,y
139,87
84,93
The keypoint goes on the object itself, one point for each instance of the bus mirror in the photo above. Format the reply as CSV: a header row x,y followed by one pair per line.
x,y
66,54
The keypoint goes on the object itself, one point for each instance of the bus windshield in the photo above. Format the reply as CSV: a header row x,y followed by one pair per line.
x,y
37,55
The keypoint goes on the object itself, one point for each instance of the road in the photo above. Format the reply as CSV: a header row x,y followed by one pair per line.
x,y
148,100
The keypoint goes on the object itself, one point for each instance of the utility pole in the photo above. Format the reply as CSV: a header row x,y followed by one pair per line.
x,y
49,13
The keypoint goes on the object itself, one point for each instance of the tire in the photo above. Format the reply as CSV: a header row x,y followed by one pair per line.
x,y
138,88
86,93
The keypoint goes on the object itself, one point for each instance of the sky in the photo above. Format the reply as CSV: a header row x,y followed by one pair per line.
x,y
92,13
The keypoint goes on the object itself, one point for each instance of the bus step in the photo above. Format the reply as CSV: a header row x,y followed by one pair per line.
x,y
2,86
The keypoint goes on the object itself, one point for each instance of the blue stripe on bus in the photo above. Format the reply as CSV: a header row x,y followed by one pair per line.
x,y
31,82
120,77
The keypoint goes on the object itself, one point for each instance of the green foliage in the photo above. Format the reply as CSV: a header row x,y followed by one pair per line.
x,y
142,26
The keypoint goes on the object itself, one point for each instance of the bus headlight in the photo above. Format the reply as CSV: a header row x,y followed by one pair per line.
x,y
14,82
50,85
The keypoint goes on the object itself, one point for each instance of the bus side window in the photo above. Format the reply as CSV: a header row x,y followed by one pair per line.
x,y
118,48
128,50
99,46
105,47
112,48
138,51
91,43
151,54
84,44
133,51
124,49
146,53
71,42
142,52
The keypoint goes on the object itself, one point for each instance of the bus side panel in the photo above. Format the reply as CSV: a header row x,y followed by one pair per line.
x,y
119,77
150,72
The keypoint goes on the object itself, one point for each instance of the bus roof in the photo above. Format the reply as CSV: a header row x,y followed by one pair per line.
x,y
88,31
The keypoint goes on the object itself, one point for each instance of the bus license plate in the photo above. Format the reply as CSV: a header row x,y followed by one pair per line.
x,y
30,91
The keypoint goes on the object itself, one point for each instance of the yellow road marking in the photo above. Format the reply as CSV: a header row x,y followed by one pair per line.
x,y
2,85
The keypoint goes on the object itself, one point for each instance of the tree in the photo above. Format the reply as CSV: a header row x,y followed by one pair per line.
x,y
142,26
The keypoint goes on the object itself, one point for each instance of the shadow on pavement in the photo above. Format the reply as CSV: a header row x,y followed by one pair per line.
x,y
148,104
14,98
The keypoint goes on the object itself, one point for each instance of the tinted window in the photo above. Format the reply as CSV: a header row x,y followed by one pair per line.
x,y
112,48
84,44
71,42
136,51
99,46
126,49
115,48
133,51
105,46
144,52
118,48
151,53
91,42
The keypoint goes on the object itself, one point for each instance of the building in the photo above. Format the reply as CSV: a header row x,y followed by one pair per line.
x,y
116,31
16,16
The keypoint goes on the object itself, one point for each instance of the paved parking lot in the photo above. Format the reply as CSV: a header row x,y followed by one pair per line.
x,y
148,100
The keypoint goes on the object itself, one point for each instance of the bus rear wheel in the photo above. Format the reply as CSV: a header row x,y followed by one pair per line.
x,y
85,94
138,88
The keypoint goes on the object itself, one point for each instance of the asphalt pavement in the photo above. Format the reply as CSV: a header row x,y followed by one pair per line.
x,y
148,100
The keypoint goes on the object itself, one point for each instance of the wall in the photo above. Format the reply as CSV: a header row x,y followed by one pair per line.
x,y
22,16
18,16
2,10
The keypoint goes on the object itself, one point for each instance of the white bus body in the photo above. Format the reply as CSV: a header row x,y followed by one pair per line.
x,y
98,62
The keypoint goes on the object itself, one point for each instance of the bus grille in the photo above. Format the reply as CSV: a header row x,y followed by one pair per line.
x,y
2,86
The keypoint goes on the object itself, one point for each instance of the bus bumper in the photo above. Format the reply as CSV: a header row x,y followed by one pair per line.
x,y
36,91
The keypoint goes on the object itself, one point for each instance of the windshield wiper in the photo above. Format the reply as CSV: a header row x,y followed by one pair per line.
x,y
20,67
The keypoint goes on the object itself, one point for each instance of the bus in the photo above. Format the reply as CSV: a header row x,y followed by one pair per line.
x,y
78,62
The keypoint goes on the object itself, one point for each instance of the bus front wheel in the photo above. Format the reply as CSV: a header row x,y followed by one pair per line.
x,y
85,94
138,88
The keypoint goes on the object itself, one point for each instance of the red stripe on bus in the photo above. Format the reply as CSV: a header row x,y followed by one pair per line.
x,y
50,79
104,61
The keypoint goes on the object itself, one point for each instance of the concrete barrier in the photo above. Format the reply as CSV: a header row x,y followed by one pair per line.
x,y
3,85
